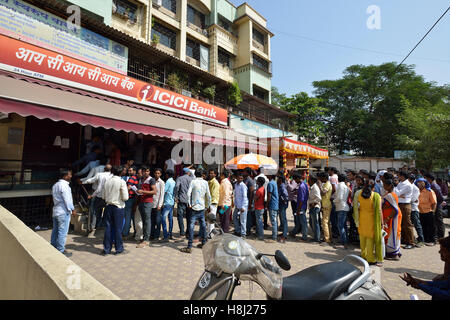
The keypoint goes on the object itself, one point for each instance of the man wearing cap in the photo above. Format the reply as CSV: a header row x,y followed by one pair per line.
x,y
182,200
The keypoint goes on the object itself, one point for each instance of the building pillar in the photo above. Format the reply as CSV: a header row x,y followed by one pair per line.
x,y
181,39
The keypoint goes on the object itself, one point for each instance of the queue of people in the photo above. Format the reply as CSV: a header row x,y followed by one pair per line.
x,y
378,211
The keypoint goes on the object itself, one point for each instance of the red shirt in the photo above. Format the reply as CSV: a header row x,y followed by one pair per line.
x,y
259,199
147,186
132,181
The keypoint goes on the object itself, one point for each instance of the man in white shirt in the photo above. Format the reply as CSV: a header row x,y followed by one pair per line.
x,y
97,201
199,199
342,208
115,193
267,224
415,215
62,209
314,203
170,165
332,172
404,192
158,201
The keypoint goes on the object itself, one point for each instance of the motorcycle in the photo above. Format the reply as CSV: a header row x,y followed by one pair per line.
x,y
229,260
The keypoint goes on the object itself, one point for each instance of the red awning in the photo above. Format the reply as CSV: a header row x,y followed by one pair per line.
x,y
43,112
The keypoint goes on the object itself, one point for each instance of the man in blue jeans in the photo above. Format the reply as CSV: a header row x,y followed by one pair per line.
x,y
241,207
273,207
415,215
302,206
283,205
314,204
180,193
199,199
62,208
132,183
169,202
341,203
146,190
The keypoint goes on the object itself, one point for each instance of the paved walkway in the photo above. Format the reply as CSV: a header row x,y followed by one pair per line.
x,y
162,272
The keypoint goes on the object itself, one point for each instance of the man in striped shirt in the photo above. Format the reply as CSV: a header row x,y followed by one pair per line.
x,y
132,184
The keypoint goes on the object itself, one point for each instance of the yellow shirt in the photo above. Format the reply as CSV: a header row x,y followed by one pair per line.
x,y
225,193
214,190
366,217
326,198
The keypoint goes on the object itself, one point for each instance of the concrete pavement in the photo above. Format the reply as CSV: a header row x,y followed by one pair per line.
x,y
162,272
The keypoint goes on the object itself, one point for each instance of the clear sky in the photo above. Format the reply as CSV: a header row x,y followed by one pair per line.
x,y
297,62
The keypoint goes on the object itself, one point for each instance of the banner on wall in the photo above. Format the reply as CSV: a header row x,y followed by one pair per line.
x,y
23,58
31,24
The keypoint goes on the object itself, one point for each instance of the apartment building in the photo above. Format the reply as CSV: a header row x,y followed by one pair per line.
x,y
229,42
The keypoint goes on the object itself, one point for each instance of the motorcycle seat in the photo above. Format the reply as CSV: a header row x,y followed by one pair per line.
x,y
322,282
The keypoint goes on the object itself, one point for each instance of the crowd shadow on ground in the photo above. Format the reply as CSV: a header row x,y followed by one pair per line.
x,y
425,275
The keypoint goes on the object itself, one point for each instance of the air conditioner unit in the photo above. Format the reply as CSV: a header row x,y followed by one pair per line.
x,y
157,3
4,115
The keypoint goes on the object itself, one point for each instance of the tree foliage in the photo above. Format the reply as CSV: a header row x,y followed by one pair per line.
x,y
373,111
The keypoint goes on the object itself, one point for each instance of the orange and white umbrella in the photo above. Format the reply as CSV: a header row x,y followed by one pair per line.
x,y
253,161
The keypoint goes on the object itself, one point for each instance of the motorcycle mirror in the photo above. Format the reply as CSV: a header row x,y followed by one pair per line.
x,y
282,261
211,218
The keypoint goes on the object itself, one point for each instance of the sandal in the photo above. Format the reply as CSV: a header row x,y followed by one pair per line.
x,y
186,250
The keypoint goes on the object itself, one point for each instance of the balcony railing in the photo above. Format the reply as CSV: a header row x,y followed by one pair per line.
x,y
194,27
158,5
193,61
258,46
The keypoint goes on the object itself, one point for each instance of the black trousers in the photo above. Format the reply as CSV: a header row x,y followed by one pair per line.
x,y
428,226
439,223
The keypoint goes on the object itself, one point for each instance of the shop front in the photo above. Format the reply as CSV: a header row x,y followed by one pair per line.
x,y
52,106
295,154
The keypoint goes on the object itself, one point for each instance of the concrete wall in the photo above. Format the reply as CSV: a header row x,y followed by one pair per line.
x,y
226,9
99,7
369,164
30,268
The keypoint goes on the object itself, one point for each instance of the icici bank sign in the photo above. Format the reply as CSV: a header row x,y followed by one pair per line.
x,y
159,96
24,58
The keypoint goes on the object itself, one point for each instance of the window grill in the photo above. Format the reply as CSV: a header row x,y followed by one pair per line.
x,y
224,58
140,69
258,37
166,36
261,63
126,8
193,49
196,17
170,5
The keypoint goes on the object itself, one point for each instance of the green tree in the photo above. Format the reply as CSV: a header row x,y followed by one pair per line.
x,y
309,124
362,107
277,97
428,132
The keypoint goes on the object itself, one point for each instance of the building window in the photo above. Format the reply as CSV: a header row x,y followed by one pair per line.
x,y
259,93
125,9
258,37
224,23
170,5
193,49
166,36
224,58
261,63
196,17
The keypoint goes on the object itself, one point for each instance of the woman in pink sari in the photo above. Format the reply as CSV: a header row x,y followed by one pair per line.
x,y
392,218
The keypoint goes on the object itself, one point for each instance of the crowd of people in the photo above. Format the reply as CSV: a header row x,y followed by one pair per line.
x,y
377,210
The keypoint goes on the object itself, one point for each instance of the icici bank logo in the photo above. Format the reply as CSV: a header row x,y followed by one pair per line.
x,y
145,93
